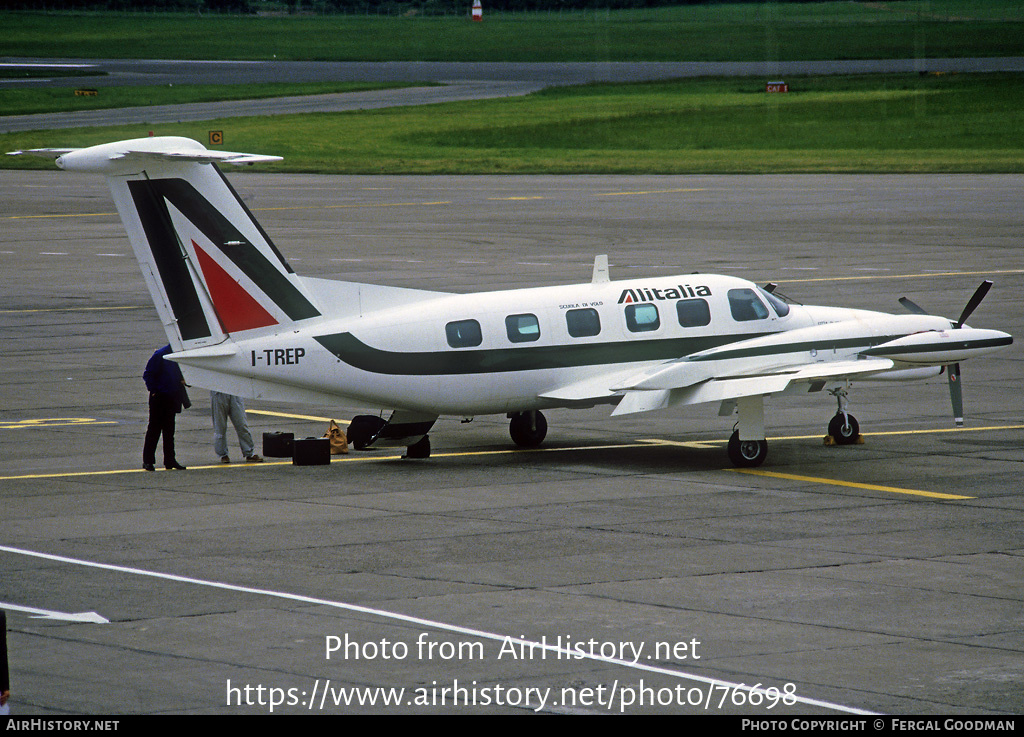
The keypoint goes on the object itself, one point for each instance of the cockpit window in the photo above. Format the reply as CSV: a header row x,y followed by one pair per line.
x,y
745,305
522,328
463,334
780,307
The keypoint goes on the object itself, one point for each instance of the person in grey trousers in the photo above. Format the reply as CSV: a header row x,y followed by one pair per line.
x,y
225,407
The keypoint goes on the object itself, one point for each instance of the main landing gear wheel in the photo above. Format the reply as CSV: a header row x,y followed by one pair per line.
x,y
419,449
844,428
528,429
747,453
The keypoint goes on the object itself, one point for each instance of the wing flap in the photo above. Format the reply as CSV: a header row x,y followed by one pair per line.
x,y
735,387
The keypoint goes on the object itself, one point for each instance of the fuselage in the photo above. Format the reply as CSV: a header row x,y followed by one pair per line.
x,y
516,350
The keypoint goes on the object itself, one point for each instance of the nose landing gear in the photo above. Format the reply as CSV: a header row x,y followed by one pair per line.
x,y
843,429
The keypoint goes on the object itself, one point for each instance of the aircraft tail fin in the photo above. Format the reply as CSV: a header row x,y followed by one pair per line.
x,y
211,269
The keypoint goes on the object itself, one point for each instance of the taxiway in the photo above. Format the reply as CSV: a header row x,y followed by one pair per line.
x,y
883,577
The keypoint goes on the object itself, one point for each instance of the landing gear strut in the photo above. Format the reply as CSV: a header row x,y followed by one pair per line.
x,y
527,429
747,445
843,427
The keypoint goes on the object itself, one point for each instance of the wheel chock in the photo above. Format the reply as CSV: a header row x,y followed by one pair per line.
x,y
829,440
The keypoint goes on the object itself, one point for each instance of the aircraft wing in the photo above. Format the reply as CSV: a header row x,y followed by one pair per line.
x,y
726,387
675,383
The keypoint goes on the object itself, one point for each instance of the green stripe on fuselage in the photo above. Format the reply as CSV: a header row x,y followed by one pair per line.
x,y
355,353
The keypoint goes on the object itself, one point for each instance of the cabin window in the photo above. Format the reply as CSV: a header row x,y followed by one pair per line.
x,y
522,328
463,333
780,307
583,323
746,306
642,318
693,313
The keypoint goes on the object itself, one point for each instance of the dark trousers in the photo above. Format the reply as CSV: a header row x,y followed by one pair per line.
x,y
162,409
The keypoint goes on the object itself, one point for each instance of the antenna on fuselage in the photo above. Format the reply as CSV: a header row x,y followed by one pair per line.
x,y
600,270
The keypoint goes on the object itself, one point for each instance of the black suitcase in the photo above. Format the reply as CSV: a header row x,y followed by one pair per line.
x,y
278,444
312,452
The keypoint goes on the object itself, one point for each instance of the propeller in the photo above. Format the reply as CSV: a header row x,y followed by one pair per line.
x,y
975,300
956,395
913,307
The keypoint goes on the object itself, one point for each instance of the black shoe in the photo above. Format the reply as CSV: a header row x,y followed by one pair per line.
x,y
148,467
174,467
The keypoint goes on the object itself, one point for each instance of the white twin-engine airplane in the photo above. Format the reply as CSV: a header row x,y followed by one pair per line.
x,y
241,321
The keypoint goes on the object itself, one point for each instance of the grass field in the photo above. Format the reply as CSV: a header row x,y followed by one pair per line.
x,y
864,123
869,123
713,32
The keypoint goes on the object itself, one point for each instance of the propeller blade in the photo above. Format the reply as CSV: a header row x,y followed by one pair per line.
x,y
770,287
975,300
912,307
956,393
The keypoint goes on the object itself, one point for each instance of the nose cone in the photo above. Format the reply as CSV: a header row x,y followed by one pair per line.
x,y
1004,338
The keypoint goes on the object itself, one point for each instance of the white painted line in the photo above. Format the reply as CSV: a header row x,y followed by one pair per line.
x,y
468,631
91,617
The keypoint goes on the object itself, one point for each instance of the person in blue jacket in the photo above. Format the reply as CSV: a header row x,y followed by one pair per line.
x,y
167,397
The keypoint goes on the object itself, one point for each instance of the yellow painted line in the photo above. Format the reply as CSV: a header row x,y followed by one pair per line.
x,y
715,443
258,209
287,415
72,309
849,484
73,474
352,206
876,276
699,444
58,215
514,451
645,442
49,422
650,191
990,428
504,199
350,458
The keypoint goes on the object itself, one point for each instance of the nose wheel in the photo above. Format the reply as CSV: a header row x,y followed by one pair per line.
x,y
843,428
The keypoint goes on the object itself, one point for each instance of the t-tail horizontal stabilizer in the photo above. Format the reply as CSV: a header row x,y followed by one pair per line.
x,y
212,270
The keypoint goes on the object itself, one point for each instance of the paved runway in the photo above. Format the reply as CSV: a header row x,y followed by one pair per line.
x,y
461,81
841,582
